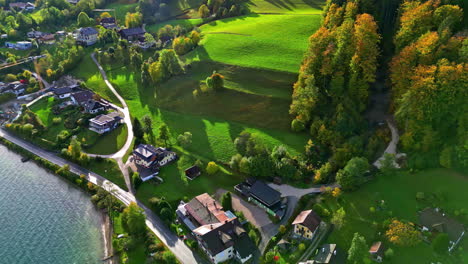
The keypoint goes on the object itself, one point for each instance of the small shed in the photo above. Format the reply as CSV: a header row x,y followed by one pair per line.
x,y
377,251
192,172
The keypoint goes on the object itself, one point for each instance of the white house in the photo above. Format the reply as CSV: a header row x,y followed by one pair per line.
x,y
20,45
87,36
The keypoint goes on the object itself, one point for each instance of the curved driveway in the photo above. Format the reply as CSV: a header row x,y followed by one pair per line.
x,y
127,119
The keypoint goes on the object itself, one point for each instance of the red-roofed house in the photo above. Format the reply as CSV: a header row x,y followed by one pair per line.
x,y
376,251
306,224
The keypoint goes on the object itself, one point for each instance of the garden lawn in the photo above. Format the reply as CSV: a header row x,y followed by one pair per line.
x,y
275,42
399,193
287,6
177,187
110,142
215,119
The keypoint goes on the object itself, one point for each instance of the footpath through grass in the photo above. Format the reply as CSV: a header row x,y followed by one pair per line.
x,y
275,42
398,191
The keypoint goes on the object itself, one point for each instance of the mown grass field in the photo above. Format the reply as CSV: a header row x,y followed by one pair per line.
x,y
399,194
274,42
286,6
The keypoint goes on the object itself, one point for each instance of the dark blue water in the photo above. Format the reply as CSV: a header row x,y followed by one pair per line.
x,y
43,219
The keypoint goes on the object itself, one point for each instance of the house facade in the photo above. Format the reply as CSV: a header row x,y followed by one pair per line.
x,y
105,123
306,224
87,36
20,45
149,156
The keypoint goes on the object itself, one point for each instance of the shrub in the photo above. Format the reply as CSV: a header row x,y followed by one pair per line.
x,y
323,212
136,180
389,253
297,125
212,167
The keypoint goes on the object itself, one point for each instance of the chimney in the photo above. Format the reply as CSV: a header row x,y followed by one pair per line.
x,y
211,226
334,252
323,249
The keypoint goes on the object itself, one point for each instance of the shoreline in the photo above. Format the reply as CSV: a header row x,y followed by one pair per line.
x,y
106,229
106,226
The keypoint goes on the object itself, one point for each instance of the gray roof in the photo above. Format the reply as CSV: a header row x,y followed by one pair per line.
x,y
104,119
83,96
127,32
88,31
265,193
438,221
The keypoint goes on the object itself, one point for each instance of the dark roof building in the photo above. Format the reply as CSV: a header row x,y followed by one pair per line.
x,y
262,195
108,20
432,219
82,97
192,172
224,241
66,91
132,33
265,194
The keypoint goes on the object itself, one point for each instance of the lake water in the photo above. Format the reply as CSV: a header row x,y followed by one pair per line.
x,y
43,218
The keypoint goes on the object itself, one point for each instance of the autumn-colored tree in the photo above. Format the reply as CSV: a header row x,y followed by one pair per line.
x,y
403,234
203,11
104,15
416,19
133,19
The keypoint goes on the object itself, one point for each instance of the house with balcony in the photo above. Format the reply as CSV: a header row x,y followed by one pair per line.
x,y
105,123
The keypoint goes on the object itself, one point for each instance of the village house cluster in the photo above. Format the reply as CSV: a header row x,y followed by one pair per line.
x,y
219,233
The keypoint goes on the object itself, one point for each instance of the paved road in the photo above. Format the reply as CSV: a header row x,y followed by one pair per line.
x,y
392,146
177,246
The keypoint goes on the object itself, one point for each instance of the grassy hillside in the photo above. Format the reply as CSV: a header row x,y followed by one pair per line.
x,y
215,119
182,22
286,6
275,42
121,9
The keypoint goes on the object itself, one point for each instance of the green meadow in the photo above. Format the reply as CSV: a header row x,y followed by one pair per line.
x,y
274,42
215,119
286,6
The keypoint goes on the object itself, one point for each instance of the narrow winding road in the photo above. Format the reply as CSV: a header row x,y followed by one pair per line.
x,y
392,146
177,246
